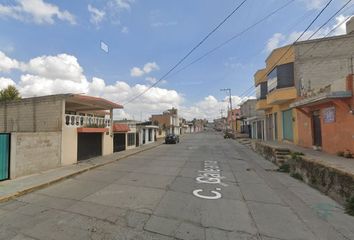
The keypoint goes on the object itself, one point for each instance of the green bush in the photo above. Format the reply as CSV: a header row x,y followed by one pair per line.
x,y
349,206
298,176
296,155
284,168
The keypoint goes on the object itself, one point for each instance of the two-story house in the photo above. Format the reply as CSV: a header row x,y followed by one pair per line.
x,y
168,122
41,133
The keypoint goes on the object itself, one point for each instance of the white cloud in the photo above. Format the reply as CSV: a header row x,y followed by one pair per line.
x,y
96,15
314,4
6,63
279,39
36,11
146,69
62,73
5,82
124,29
164,24
61,66
136,72
123,4
153,80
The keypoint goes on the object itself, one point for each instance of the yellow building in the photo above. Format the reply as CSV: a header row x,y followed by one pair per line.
x,y
276,90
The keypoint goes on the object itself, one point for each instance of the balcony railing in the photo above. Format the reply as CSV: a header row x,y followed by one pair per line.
x,y
86,121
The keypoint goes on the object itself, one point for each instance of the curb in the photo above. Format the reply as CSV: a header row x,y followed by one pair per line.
x,y
61,178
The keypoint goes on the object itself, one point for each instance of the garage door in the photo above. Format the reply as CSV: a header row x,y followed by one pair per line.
x,y
89,145
119,142
4,156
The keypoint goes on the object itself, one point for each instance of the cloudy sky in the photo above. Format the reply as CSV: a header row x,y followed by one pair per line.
x,y
49,47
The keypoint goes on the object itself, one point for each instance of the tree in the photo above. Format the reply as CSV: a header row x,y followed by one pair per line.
x,y
10,93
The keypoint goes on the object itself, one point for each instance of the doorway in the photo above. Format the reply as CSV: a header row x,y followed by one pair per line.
x,y
4,156
316,126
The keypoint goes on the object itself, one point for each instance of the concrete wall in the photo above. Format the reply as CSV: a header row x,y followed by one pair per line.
x,y
323,63
107,143
69,146
34,152
43,114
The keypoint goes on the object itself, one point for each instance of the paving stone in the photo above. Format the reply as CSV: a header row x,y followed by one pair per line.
x,y
170,171
140,199
181,206
146,180
259,192
136,220
248,177
112,214
216,234
226,214
47,201
162,225
188,185
73,189
279,222
101,176
12,205
187,231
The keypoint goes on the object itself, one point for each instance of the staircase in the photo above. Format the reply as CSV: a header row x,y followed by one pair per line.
x,y
281,155
246,141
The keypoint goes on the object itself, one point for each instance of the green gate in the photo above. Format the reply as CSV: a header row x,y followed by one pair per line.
x,y
288,125
4,156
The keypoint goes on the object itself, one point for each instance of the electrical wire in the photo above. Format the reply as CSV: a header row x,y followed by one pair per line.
x,y
189,53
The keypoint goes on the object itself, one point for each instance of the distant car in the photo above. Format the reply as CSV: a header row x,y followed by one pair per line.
x,y
171,138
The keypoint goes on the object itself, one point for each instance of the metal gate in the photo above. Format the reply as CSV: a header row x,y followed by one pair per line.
x,y
4,156
119,142
89,145
288,125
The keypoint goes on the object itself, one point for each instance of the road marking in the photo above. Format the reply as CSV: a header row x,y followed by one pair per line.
x,y
211,174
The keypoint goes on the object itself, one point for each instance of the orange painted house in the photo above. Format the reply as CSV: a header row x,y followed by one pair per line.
x,y
325,104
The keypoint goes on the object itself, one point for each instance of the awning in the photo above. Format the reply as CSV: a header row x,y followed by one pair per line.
x,y
322,98
77,102
118,127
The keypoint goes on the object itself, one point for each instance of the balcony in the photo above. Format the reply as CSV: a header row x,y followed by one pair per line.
x,y
262,104
78,121
281,95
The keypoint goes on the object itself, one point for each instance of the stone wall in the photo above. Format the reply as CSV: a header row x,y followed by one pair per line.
x,y
34,152
333,182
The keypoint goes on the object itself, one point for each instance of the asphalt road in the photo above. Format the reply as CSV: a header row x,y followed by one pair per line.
x,y
206,187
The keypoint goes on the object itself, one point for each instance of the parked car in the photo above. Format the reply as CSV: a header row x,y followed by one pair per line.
x,y
172,138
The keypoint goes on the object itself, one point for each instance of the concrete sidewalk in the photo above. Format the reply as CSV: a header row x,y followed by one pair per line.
x,y
344,164
19,186
328,173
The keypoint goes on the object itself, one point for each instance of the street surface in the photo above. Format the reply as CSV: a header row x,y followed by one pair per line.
x,y
206,187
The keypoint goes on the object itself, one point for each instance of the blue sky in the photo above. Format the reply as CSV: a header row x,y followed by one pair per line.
x,y
52,46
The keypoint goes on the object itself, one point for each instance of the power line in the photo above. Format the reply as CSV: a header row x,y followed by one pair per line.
x,y
190,52
297,39
233,37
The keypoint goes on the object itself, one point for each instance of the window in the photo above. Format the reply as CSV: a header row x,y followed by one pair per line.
x,y
131,139
272,80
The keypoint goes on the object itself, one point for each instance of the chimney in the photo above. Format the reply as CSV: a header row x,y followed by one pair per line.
x,y
350,26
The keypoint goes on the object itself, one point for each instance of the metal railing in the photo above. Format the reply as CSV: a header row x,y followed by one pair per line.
x,y
86,121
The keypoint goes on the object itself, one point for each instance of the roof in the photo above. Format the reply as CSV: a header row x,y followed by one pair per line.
x,y
119,127
321,98
74,102
84,102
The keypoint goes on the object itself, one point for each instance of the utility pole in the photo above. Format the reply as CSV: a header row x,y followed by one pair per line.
x,y
228,90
